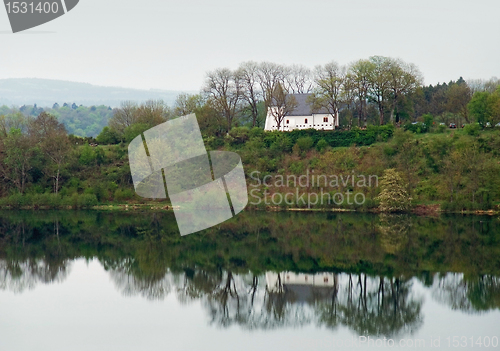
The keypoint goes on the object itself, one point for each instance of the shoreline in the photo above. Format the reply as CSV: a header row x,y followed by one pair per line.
x,y
418,210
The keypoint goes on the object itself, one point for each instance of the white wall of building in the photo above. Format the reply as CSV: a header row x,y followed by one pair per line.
x,y
320,121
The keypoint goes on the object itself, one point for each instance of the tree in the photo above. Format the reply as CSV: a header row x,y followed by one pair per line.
x,y
393,197
298,79
270,75
380,88
123,117
404,78
52,139
480,108
282,104
458,97
224,92
329,92
361,71
248,75
186,104
108,136
18,150
152,113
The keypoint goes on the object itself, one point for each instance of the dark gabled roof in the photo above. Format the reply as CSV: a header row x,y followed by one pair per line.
x,y
304,108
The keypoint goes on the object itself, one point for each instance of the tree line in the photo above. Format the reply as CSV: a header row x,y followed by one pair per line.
x,y
374,91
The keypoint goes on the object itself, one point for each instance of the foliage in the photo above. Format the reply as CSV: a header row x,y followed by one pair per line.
x,y
417,128
108,137
393,196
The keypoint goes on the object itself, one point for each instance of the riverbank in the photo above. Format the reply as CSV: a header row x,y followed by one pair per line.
x,y
419,210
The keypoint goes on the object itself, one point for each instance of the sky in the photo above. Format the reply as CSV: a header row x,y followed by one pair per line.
x,y
171,45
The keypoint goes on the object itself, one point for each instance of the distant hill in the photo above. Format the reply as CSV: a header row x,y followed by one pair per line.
x,y
45,92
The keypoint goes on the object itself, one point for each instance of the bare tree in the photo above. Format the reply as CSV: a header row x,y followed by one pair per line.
x,y
52,138
298,79
248,75
153,112
380,89
270,76
328,94
124,116
349,96
224,92
187,103
360,72
282,104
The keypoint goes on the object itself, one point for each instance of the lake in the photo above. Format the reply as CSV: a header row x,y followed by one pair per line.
x,y
88,280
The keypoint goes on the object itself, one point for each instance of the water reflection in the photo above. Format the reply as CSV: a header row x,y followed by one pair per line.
x,y
18,276
472,295
265,270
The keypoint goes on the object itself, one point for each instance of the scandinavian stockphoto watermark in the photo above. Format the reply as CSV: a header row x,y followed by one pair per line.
x,y
205,189
31,13
310,189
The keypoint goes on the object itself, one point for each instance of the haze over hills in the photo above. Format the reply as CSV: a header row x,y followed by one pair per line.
x,y
45,92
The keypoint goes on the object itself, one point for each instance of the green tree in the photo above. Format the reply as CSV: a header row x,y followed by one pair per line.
x,y
108,136
480,107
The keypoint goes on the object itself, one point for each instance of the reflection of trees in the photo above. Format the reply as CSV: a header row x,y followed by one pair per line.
x,y
147,272
369,306
131,280
393,230
372,306
471,295
18,276
24,271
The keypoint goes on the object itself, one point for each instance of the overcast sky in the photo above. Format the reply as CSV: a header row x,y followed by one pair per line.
x,y
165,44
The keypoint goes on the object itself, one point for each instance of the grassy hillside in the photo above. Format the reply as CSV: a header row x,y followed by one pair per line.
x,y
455,169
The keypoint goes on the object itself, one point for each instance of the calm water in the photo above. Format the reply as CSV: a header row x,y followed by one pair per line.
x,y
281,281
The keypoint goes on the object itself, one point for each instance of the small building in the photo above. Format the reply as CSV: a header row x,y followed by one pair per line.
x,y
303,117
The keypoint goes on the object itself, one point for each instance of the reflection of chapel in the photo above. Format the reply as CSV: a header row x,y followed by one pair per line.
x,y
301,287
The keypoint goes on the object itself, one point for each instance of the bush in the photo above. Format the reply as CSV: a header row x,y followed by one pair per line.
x,y
428,120
108,136
86,200
256,132
123,194
87,155
417,128
321,145
304,143
239,135
441,128
18,200
472,129
46,200
134,130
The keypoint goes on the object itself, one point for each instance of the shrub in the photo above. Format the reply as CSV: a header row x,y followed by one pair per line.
x,y
321,145
256,132
393,197
123,194
239,135
417,128
134,130
108,136
428,120
86,200
472,129
441,128
87,155
304,143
